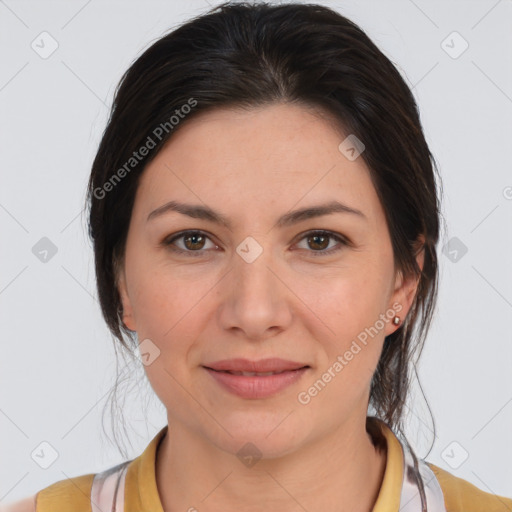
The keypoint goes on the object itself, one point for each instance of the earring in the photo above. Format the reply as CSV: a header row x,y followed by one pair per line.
x,y
396,320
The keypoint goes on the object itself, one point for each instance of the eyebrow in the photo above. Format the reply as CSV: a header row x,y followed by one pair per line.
x,y
288,219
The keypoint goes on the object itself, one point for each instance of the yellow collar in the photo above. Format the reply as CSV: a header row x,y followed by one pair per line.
x,y
141,492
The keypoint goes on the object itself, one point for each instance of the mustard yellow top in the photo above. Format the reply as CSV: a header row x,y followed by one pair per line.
x,y
141,493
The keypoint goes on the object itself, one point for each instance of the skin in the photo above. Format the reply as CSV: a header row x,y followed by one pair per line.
x,y
291,302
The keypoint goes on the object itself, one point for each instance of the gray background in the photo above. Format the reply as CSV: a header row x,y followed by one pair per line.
x,y
58,364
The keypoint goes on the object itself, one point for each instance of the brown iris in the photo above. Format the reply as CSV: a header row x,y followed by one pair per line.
x,y
324,238
195,238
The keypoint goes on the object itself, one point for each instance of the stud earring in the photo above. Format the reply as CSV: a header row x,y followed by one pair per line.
x,y
396,320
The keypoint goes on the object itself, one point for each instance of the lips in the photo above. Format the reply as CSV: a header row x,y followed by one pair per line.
x,y
256,379
263,367
252,374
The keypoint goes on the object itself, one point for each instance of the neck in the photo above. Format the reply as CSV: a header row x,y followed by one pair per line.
x,y
342,471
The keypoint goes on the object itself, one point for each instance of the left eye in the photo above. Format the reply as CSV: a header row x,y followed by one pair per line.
x,y
194,242
320,239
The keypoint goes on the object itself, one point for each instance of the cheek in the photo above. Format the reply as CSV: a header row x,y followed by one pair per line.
x,y
346,324
346,302
172,308
345,319
168,312
166,302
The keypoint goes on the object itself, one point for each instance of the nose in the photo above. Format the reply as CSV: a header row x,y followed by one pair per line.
x,y
256,300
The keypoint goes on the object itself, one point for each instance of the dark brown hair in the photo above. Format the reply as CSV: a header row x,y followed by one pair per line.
x,y
245,55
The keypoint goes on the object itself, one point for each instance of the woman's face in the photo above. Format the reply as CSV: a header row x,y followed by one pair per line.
x,y
257,288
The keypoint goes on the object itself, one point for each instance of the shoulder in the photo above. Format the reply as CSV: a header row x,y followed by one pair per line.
x,y
62,496
462,496
25,505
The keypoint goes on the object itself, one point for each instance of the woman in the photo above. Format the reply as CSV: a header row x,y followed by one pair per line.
x,y
264,215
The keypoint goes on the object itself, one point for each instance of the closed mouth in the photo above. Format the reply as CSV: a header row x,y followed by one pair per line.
x,y
255,374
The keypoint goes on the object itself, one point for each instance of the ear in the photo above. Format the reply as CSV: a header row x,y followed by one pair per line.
x,y
405,288
127,311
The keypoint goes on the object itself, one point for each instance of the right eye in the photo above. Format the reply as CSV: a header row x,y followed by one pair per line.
x,y
193,242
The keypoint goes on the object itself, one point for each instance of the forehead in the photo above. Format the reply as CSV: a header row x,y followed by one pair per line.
x,y
264,159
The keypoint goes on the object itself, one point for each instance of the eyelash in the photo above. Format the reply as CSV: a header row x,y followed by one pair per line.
x,y
343,242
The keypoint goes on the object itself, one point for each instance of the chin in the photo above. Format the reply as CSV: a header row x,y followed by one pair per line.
x,y
260,435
